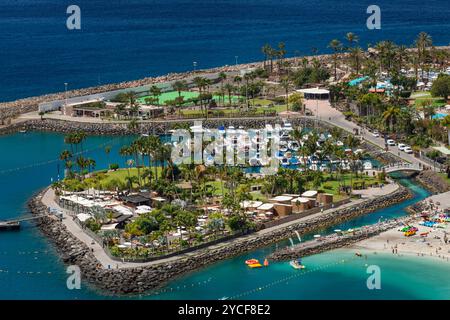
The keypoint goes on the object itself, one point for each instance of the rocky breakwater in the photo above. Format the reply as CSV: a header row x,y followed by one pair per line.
x,y
153,127
380,154
331,242
153,275
433,182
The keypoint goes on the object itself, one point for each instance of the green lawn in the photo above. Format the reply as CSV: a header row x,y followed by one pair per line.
x,y
262,102
172,95
437,102
332,186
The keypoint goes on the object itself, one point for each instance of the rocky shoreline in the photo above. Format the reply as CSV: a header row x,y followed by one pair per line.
x,y
432,181
141,279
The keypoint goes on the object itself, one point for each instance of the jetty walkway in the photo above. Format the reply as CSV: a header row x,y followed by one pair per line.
x,y
332,241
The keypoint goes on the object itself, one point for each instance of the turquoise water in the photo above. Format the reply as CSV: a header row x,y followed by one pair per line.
x,y
35,272
402,277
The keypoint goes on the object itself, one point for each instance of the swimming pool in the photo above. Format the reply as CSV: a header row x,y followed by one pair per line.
x,y
439,116
355,82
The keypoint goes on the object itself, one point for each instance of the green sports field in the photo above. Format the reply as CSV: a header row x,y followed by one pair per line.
x,y
172,95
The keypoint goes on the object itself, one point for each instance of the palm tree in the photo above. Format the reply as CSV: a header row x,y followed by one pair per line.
x,y
357,55
222,78
351,38
285,84
391,115
336,46
386,54
119,110
281,54
423,41
65,156
200,84
155,92
180,86
131,97
229,89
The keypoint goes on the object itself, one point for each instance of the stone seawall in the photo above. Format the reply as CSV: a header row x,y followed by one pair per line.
x,y
153,127
433,182
154,275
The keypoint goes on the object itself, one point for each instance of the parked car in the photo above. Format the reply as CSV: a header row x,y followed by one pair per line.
x,y
376,134
390,142
408,149
402,146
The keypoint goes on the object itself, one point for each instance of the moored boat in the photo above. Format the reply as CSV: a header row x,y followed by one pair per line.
x,y
5,225
251,261
297,264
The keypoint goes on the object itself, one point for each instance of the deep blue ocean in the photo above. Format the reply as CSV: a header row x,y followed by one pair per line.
x,y
130,39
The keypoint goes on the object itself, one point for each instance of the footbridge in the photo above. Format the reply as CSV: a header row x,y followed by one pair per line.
x,y
404,166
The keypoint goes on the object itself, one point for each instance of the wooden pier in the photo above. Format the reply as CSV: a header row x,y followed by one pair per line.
x,y
11,225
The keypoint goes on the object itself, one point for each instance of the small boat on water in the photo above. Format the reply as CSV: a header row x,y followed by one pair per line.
x,y
9,226
297,264
266,263
251,261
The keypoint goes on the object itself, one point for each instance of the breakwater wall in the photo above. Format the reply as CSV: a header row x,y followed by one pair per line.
x,y
155,274
331,242
432,181
148,127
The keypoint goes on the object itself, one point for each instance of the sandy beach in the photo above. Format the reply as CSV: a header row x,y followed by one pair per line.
x,y
427,242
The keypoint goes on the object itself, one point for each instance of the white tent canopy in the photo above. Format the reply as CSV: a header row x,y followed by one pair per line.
x,y
83,217
143,209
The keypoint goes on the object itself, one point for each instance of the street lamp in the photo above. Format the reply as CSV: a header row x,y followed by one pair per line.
x,y
65,96
195,65
236,59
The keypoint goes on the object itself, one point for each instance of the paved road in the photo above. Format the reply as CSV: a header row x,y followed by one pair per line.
x,y
323,110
